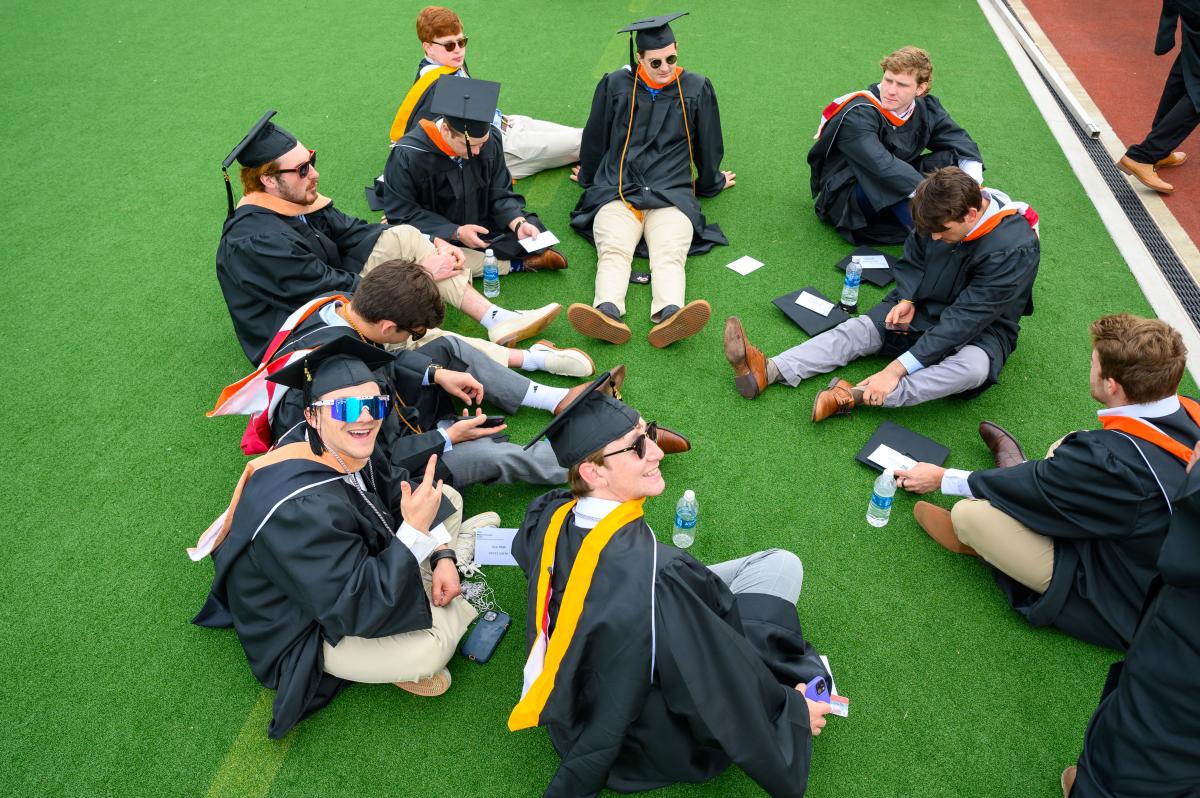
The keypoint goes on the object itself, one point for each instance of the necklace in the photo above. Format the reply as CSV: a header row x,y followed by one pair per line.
x,y
349,477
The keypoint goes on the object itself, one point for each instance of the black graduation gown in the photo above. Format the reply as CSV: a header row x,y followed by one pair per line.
x,y
1144,738
421,109
398,449
725,670
269,265
859,147
1100,502
424,187
320,568
657,170
973,292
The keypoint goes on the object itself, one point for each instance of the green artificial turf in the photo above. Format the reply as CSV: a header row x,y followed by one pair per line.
x,y
115,118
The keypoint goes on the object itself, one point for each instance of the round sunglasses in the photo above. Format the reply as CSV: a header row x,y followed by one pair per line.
x,y
655,63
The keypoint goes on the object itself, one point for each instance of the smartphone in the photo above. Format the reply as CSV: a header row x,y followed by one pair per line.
x,y
817,690
486,636
639,278
899,329
493,421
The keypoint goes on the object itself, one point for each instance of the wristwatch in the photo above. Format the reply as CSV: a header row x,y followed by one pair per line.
x,y
520,220
430,371
443,554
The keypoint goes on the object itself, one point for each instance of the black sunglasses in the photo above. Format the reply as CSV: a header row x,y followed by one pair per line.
x,y
639,445
413,335
655,63
453,45
303,168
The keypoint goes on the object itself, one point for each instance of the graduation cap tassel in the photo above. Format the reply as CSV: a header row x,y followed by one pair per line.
x,y
632,60
228,191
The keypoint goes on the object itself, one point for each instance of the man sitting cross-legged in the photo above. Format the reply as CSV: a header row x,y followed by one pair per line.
x,y
646,667
285,244
333,570
964,282
873,148
1074,538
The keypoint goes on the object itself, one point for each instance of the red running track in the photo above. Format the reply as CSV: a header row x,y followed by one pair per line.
x,y
1110,48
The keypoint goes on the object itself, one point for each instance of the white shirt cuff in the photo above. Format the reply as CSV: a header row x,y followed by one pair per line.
x,y
954,483
973,168
443,428
910,363
419,544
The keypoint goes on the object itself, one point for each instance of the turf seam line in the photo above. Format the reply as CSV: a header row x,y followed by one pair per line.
x,y
253,760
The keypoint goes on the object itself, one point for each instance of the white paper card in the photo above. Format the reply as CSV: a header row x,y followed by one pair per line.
x,y
540,241
885,456
493,546
873,261
814,303
744,265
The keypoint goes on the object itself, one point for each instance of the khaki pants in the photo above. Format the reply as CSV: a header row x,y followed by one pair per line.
x,y
617,231
532,145
1004,542
405,242
474,263
412,655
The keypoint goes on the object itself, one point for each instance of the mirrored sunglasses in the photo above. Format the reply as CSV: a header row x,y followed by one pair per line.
x,y
349,408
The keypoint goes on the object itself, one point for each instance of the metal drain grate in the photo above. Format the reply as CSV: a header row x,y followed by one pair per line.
x,y
1172,268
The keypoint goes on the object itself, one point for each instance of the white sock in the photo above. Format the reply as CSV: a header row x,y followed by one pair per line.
x,y
494,315
535,360
543,397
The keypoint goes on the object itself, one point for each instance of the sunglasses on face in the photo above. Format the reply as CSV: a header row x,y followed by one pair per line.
x,y
655,63
303,168
639,444
453,44
349,408
416,335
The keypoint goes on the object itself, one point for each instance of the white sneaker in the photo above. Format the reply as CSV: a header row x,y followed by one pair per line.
x,y
526,324
567,362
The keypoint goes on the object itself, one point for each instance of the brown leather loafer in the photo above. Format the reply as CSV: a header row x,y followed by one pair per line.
x,y
836,400
1144,172
683,323
1067,781
937,524
1004,447
1176,158
671,442
596,324
548,260
616,378
749,364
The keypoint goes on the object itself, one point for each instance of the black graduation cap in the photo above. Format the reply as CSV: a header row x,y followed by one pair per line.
x,y
652,33
592,421
810,321
343,362
879,277
265,142
904,441
469,105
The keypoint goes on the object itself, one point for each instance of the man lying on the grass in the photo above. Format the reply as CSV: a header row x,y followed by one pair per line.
x,y
1073,539
874,146
285,244
646,667
311,568
950,323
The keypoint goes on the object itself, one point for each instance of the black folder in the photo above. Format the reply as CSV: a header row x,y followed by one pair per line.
x,y
879,277
905,441
812,323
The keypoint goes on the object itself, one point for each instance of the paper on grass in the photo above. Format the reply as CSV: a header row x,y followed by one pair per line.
x,y
873,261
541,241
885,456
493,546
814,303
744,265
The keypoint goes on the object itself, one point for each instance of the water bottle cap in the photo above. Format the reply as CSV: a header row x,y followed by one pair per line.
x,y
488,253
689,495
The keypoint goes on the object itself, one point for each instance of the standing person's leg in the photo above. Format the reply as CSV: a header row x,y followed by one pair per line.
x,y
963,370
616,231
533,145
668,238
1174,120
776,572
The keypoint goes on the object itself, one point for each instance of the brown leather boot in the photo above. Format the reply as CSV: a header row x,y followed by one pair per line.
x,y
937,524
1004,447
1144,172
1176,158
836,400
671,442
548,260
749,364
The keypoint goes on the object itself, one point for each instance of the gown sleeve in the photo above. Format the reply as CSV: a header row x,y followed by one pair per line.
x,y
596,131
709,146
884,178
271,269
945,133
313,550
401,197
348,231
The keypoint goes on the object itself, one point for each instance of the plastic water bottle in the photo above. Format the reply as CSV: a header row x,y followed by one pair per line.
x,y
491,275
849,301
880,508
687,514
